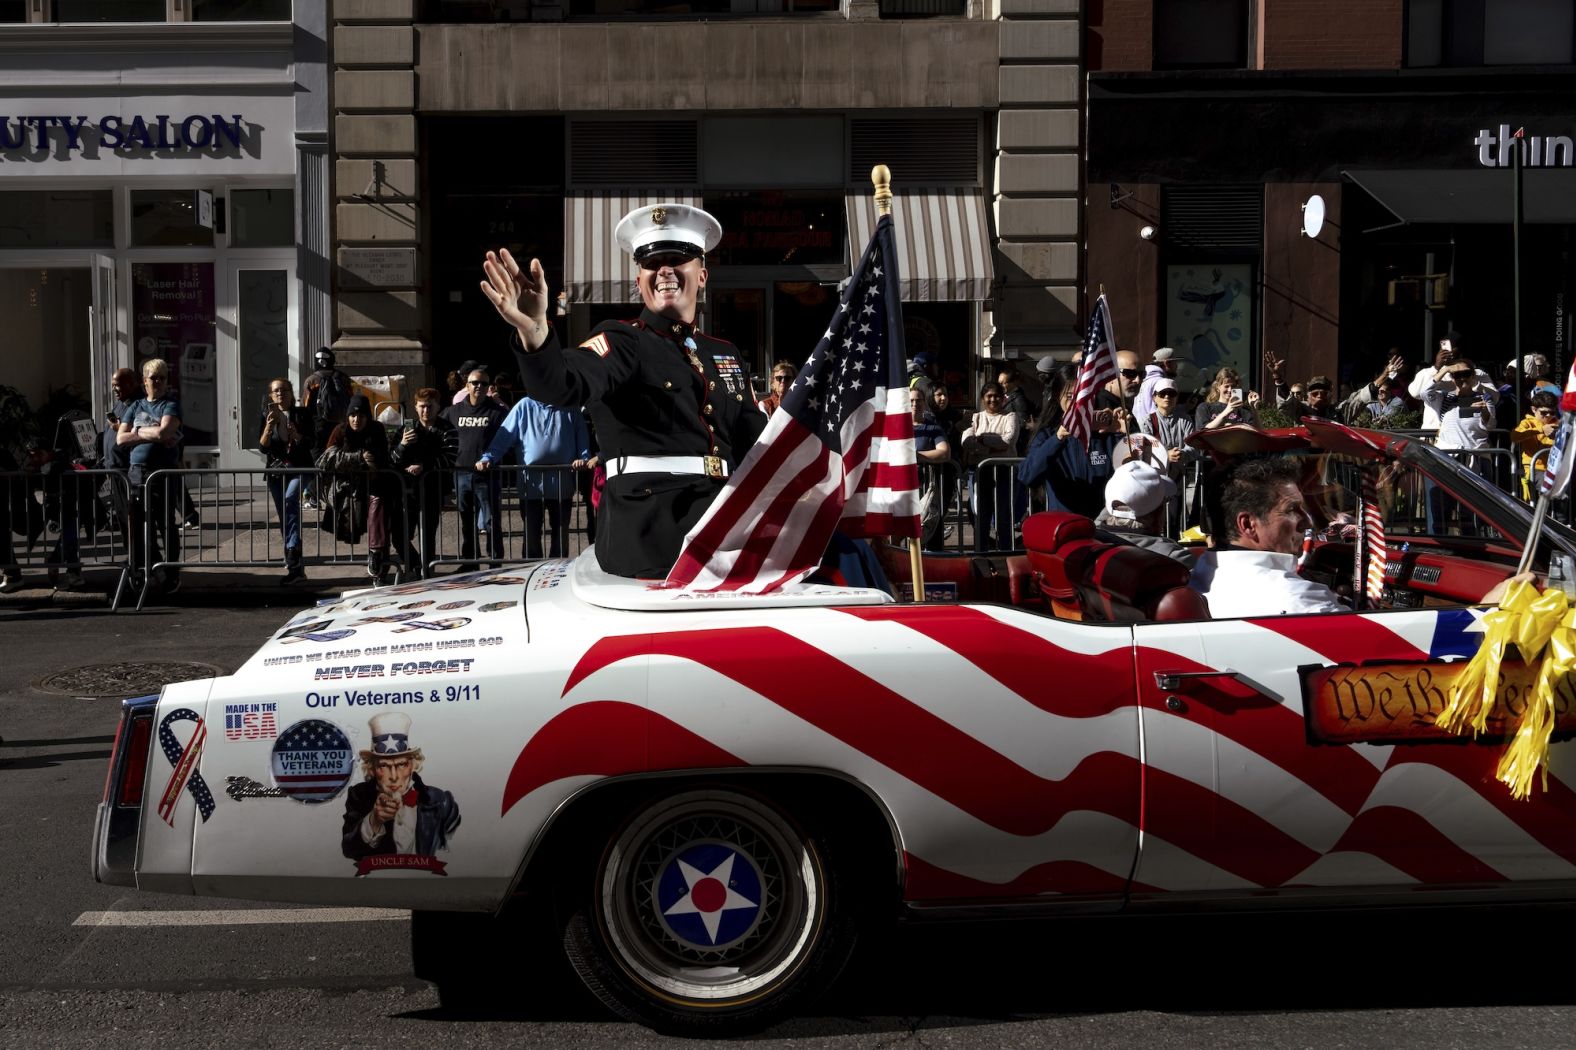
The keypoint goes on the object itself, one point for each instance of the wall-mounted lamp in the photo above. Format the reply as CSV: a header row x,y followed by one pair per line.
x,y
1148,233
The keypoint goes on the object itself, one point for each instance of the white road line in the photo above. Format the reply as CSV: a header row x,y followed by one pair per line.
x,y
239,917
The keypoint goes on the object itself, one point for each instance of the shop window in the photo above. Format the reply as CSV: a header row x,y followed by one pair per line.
x,y
172,316
240,10
262,218
922,8
778,227
1201,34
772,151
1490,33
521,10
167,218
108,11
57,219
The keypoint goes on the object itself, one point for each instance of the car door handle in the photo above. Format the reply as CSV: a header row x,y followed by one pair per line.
x,y
1178,681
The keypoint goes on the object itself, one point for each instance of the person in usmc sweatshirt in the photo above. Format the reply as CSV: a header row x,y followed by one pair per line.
x,y
476,494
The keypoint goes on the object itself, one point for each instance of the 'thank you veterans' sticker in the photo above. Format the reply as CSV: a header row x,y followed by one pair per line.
x,y
313,761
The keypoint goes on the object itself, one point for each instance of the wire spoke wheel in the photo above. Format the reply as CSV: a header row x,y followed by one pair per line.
x,y
710,913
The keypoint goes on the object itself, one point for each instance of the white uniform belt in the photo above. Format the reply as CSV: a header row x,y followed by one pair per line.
x,y
709,466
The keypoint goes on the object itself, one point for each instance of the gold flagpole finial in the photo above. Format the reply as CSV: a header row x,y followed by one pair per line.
x,y
881,175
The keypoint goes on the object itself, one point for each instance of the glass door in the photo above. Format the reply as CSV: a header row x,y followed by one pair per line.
x,y
256,344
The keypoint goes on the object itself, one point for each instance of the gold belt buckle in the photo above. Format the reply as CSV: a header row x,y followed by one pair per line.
x,y
713,466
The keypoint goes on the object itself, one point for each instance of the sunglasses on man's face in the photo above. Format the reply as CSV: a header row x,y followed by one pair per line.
x,y
1165,393
1462,377
476,382
1130,373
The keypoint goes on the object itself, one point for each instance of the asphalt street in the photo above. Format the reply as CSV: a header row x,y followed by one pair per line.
x,y
182,971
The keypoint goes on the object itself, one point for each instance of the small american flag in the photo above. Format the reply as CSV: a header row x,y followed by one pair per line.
x,y
837,456
1097,368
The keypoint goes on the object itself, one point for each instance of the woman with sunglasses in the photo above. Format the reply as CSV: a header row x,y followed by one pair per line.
x,y
783,375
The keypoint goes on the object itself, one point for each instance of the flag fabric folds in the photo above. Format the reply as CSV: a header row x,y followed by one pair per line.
x,y
1097,368
837,455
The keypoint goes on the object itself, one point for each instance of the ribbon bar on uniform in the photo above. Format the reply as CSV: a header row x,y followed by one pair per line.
x,y
710,466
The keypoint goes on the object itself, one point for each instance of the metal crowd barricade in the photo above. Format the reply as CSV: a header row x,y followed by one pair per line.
x,y
242,524
529,501
944,516
43,516
998,503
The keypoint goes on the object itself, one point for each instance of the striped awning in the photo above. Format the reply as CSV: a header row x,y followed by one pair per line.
x,y
595,269
943,241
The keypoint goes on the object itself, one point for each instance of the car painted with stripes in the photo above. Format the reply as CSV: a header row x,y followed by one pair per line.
x,y
702,799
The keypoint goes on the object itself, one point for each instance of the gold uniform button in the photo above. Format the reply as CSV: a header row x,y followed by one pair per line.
x,y
707,410
712,385
667,384
738,397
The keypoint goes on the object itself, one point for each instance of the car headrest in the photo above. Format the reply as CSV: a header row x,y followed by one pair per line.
x,y
1131,584
1049,529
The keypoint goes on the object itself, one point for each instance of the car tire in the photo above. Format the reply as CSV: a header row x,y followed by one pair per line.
x,y
708,913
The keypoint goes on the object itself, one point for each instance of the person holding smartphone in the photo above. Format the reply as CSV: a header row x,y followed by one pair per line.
x,y
1226,405
286,440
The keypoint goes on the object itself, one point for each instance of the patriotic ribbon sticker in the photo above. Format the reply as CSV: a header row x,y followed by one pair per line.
x,y
183,762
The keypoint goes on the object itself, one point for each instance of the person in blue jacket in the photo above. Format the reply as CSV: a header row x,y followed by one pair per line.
x,y
1073,474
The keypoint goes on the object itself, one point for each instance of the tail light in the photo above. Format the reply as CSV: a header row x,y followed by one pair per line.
x,y
128,759
139,739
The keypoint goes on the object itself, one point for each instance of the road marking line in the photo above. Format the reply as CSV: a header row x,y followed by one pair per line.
x,y
239,917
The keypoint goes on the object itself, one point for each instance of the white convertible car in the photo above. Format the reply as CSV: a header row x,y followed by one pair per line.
x,y
707,797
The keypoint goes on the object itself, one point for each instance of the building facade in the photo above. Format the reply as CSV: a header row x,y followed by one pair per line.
x,y
148,206
1213,125
462,127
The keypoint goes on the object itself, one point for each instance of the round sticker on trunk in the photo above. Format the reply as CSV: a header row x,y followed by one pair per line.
x,y
313,761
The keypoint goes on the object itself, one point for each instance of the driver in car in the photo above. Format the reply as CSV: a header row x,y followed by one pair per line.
x,y
1261,514
1262,518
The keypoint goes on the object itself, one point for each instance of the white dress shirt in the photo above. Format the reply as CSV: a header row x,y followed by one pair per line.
x,y
1259,583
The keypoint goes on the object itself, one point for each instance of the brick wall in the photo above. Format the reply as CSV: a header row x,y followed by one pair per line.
x,y
1329,34
1120,35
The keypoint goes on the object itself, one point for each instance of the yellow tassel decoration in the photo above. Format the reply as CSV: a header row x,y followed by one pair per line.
x,y
1529,748
1473,699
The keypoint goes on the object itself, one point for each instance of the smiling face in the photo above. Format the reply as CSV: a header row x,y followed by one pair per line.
x,y
670,284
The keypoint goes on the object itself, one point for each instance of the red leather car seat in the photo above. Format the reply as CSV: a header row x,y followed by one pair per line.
x,y
1129,584
1086,579
1058,546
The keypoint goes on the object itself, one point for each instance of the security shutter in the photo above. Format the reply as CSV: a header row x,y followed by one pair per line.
x,y
634,153
1228,219
921,152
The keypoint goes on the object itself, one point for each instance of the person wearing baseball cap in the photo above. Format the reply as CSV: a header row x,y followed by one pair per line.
x,y
1135,509
1162,366
671,405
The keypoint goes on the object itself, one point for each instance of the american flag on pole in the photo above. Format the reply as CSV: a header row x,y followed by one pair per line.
x,y
1097,368
838,455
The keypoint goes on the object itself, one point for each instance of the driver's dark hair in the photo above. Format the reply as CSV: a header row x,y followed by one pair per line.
x,y
1544,399
1252,487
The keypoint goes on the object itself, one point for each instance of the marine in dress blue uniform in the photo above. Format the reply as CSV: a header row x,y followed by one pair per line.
x,y
671,405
